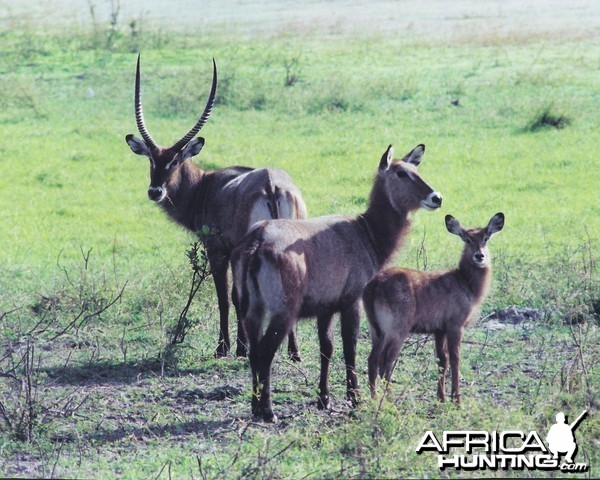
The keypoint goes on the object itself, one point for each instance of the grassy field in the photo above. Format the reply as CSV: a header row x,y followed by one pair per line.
x,y
93,276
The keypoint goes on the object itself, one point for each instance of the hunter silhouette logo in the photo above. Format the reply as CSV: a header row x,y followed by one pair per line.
x,y
510,449
560,437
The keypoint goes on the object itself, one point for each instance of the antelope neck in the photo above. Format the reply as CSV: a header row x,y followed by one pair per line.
x,y
187,196
386,227
477,279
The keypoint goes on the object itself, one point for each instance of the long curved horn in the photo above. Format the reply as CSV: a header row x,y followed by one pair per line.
x,y
139,111
202,120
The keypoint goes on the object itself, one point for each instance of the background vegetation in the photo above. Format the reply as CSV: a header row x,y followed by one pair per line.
x,y
93,277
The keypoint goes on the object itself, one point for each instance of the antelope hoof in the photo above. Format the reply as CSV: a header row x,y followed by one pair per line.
x,y
220,353
241,352
323,402
222,350
266,416
294,357
352,397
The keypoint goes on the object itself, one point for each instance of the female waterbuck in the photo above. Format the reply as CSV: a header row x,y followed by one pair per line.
x,y
399,301
285,269
228,201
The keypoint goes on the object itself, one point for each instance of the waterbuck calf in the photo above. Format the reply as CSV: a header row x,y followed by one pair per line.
x,y
285,269
229,201
399,301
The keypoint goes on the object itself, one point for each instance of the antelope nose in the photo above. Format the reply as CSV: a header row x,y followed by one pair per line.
x,y
479,256
436,198
155,193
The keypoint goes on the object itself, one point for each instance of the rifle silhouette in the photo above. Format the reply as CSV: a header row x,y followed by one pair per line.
x,y
579,418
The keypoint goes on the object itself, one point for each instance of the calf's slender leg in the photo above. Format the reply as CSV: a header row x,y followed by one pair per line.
x,y
454,339
441,350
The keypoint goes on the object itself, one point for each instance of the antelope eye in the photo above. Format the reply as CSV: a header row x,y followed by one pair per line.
x,y
468,241
401,174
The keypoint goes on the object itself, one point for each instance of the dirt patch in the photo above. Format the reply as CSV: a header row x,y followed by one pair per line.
x,y
512,317
219,393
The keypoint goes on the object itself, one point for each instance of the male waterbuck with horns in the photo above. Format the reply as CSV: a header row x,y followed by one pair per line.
x,y
285,269
399,301
228,201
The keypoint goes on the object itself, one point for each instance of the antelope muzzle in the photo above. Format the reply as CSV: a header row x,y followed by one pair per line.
x,y
156,194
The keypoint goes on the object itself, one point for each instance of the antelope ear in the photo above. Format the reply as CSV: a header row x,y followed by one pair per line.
x,y
416,155
386,159
453,226
137,146
496,224
192,148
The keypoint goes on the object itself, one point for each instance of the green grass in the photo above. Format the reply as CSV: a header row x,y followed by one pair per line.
x,y
106,403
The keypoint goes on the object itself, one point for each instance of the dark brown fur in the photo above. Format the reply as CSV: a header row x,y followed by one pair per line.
x,y
288,269
228,201
399,301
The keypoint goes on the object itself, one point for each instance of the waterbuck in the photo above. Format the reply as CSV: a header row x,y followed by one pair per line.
x,y
228,201
287,269
399,301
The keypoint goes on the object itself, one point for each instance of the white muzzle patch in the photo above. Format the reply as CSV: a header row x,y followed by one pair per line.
x,y
432,202
157,194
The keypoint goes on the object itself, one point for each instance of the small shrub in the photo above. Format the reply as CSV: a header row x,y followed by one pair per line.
x,y
28,408
400,89
19,405
200,266
258,102
333,102
547,118
292,70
